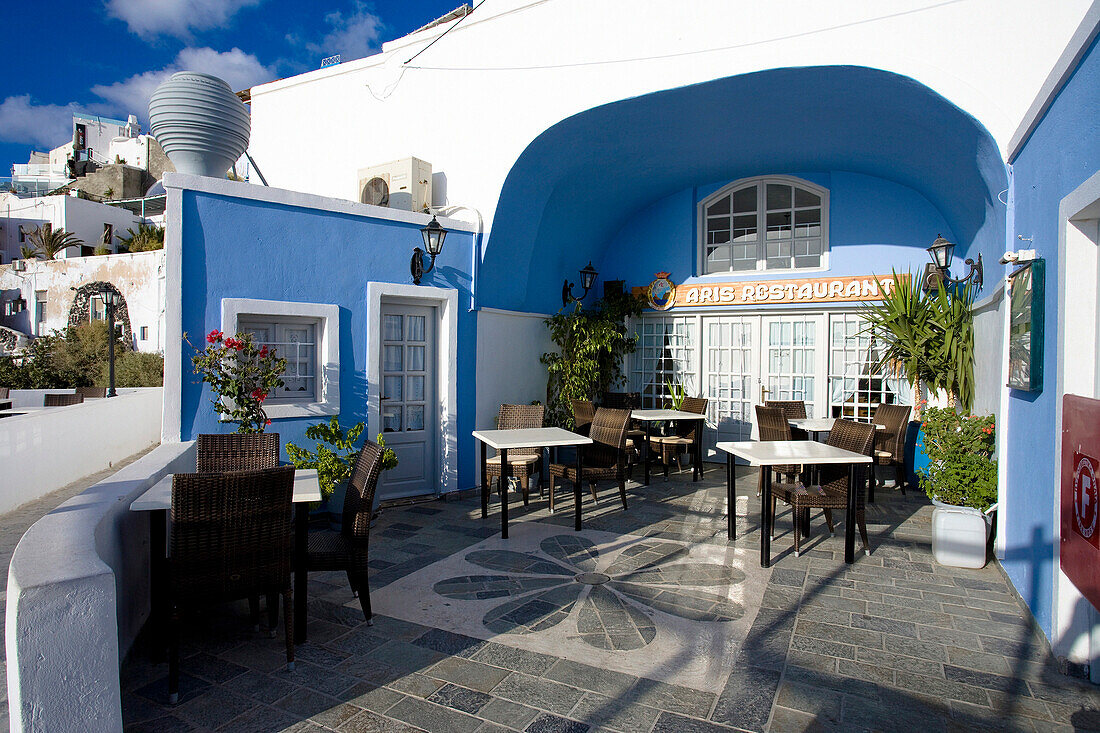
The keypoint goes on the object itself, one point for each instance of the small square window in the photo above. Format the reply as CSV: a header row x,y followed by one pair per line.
x,y
144,333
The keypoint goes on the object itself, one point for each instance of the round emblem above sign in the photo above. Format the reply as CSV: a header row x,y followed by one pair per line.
x,y
661,293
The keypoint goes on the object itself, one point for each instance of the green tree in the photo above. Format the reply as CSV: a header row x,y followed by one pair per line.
x,y
591,345
136,369
147,238
50,242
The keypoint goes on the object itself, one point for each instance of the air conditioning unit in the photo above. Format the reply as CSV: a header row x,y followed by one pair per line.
x,y
400,184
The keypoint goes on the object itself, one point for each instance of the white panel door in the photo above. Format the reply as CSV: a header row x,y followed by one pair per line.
x,y
409,402
793,361
730,374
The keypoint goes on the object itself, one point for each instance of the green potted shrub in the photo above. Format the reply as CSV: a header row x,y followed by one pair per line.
x,y
961,480
333,457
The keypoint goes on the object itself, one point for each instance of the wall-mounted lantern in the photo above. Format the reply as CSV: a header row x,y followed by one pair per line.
x,y
588,277
939,271
433,234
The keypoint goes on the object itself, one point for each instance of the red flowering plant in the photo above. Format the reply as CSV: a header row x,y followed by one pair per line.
x,y
241,376
961,469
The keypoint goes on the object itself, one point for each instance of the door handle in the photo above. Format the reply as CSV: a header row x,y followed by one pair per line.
x,y
763,391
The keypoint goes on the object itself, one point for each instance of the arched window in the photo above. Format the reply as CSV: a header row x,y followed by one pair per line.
x,y
767,223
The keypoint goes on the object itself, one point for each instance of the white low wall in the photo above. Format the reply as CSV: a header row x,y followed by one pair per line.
x,y
78,593
42,451
36,397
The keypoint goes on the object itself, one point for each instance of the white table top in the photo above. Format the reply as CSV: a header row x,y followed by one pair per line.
x,y
306,488
819,424
530,438
772,452
651,415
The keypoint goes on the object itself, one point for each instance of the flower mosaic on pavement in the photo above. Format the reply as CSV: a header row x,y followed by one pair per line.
x,y
569,580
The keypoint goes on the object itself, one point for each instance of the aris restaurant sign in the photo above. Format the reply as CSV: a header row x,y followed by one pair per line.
x,y
798,290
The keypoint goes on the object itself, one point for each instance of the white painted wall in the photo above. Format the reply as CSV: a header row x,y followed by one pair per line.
x,y
514,68
139,276
989,377
77,594
42,451
509,345
83,218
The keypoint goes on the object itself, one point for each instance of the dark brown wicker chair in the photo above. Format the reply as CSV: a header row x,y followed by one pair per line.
x,y
583,412
635,434
347,549
890,441
92,393
62,400
792,410
604,459
230,539
673,446
771,423
237,452
522,462
833,490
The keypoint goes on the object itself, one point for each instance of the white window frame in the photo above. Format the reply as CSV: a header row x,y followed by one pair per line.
x,y
761,213
327,399
279,342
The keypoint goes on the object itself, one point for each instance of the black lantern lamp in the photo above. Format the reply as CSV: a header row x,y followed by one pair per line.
x,y
588,277
940,252
434,235
112,299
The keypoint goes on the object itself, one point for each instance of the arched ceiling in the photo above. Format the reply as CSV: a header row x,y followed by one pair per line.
x,y
574,185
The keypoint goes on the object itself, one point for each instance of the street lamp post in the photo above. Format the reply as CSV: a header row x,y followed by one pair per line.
x,y
111,299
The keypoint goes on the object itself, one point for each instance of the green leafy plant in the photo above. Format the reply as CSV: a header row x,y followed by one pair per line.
x,y
147,238
27,252
241,376
136,369
925,338
75,357
677,394
49,242
334,455
102,250
109,192
591,345
961,469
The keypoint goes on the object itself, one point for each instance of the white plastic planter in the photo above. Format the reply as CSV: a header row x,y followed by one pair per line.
x,y
959,536
201,124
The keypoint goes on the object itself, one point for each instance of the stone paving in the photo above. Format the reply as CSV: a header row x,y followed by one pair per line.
x,y
893,642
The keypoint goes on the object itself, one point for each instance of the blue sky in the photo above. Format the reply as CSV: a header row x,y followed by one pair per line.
x,y
106,56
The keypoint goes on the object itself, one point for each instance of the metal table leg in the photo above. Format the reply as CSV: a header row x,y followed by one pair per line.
x,y
697,468
850,517
766,519
158,580
301,539
577,493
504,493
731,500
484,482
645,452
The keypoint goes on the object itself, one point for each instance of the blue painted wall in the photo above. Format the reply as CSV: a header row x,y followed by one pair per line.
x,y
588,177
1063,152
241,248
874,225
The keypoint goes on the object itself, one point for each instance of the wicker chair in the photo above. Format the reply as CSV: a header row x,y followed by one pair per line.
x,y
230,539
833,491
890,441
583,412
219,452
522,462
792,410
62,400
4,393
347,549
91,393
635,434
673,446
604,459
771,422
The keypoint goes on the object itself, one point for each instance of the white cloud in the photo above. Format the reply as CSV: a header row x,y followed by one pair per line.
x,y
174,17
239,69
46,125
353,36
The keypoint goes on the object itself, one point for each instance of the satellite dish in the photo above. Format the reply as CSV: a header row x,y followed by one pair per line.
x,y
375,191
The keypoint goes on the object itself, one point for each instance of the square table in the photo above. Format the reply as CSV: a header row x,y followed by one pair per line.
x,y
158,500
651,416
505,440
766,453
819,425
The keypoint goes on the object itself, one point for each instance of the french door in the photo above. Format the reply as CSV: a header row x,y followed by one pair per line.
x,y
409,404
